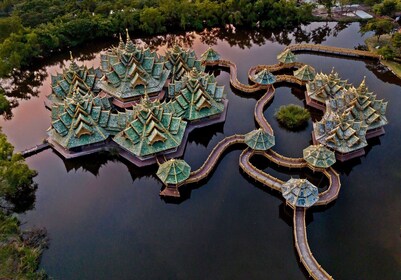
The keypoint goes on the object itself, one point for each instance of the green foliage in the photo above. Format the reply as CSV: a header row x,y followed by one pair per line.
x,y
387,7
40,27
292,116
380,26
4,103
387,52
19,259
396,40
15,175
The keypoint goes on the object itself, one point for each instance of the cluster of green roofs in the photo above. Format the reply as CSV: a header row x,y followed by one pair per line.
x,y
352,114
121,103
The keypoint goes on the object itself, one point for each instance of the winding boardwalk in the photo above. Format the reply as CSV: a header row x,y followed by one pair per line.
x,y
301,244
259,109
332,50
211,161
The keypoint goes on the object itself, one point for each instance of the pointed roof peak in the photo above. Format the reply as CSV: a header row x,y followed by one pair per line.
x,y
73,66
121,44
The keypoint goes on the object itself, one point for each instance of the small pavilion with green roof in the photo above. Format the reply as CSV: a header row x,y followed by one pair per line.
x,y
210,55
287,56
264,77
305,73
173,171
259,140
300,193
318,156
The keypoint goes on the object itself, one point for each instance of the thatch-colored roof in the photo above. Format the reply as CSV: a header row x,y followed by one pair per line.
x,y
259,140
173,171
286,56
300,192
305,73
319,156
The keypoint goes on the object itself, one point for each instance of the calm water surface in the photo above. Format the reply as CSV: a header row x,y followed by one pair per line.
x,y
106,220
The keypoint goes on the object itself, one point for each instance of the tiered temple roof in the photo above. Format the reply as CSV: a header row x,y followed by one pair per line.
x,y
368,109
152,130
323,86
196,96
259,140
300,192
264,77
129,71
341,133
305,73
286,56
75,122
63,84
210,55
180,61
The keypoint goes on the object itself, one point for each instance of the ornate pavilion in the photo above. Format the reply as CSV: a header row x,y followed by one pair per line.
x,y
122,106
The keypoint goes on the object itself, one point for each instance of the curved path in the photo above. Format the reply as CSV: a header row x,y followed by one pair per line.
x,y
332,50
301,243
326,197
211,161
259,109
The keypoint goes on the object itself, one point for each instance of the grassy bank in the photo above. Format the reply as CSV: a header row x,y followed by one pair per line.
x,y
385,40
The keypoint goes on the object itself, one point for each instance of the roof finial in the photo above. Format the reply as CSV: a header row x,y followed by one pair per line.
x,y
128,38
71,57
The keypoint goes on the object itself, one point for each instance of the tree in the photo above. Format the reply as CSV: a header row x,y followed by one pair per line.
x,y
387,8
328,4
380,26
396,40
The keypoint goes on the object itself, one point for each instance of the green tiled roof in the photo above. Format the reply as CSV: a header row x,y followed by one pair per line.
x,y
74,126
300,192
180,61
368,109
319,156
323,86
305,73
72,78
196,96
129,71
286,56
264,77
151,130
340,133
210,55
173,171
259,140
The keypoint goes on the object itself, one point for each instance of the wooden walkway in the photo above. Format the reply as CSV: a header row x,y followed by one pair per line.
x,y
35,150
273,68
259,109
332,50
314,269
211,161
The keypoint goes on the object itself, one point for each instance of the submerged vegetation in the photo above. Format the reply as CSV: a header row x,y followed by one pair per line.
x,y
34,28
20,251
292,116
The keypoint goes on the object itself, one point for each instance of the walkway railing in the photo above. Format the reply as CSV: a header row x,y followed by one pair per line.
x,y
211,161
301,243
332,50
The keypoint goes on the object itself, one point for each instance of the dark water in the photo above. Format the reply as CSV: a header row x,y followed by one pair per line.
x,y
106,219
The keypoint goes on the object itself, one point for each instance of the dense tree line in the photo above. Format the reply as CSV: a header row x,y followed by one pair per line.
x,y
33,28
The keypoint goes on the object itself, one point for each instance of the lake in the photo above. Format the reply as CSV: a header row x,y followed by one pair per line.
x,y
106,220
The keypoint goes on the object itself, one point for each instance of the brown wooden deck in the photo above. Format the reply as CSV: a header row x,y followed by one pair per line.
x,y
314,269
332,50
